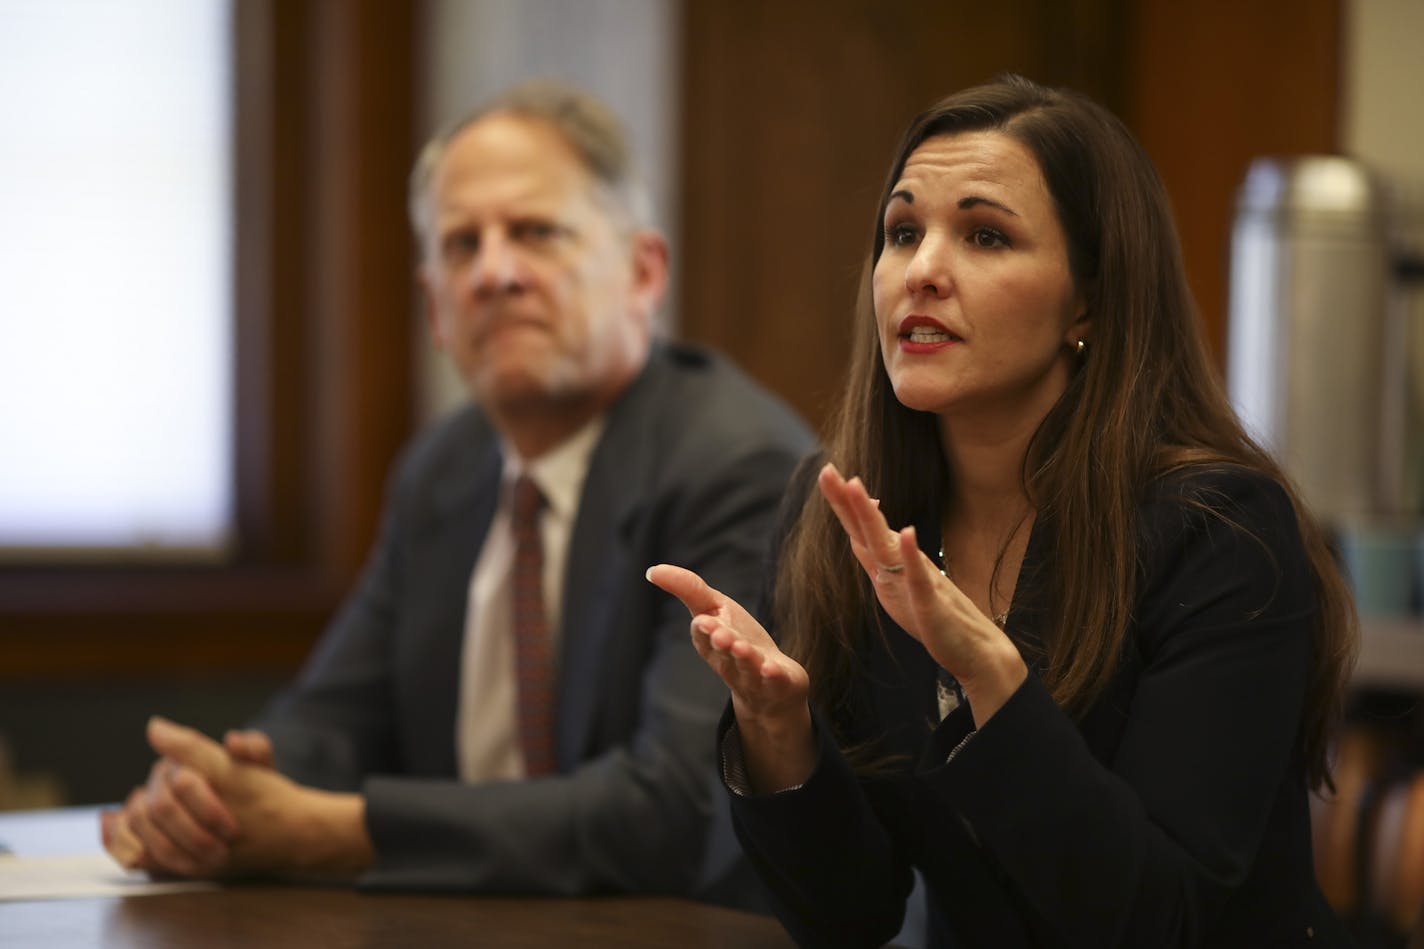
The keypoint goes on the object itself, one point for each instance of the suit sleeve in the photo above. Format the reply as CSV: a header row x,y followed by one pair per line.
x,y
831,867
635,816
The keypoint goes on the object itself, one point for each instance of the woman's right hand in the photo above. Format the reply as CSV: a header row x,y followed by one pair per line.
x,y
769,688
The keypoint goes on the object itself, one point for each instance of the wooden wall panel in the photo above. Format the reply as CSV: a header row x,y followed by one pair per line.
x,y
792,109
1216,83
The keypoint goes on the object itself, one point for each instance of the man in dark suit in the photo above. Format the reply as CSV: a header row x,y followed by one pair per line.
x,y
504,704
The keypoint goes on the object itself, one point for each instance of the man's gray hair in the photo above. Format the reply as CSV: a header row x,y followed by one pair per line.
x,y
586,123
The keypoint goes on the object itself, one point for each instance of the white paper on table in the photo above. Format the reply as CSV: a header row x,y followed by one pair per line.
x,y
79,876
56,855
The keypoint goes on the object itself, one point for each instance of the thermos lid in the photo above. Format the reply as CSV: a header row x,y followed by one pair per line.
x,y
1327,185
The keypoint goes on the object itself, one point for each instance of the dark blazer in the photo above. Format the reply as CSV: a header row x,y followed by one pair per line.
x,y
689,469
1172,813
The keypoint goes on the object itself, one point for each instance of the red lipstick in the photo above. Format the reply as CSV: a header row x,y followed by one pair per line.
x,y
920,334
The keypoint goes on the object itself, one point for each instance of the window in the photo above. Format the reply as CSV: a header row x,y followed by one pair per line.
x,y
318,373
116,250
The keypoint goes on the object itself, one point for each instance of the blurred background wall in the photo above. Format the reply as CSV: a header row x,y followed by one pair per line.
x,y
765,128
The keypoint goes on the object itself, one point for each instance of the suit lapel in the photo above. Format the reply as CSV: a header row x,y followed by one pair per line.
x,y
599,559
464,501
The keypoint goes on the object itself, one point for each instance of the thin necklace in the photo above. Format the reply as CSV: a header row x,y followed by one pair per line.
x,y
1000,619
949,694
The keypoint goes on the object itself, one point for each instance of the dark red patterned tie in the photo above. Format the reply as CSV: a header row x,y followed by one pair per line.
x,y
534,659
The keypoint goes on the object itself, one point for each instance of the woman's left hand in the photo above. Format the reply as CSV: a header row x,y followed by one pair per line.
x,y
925,603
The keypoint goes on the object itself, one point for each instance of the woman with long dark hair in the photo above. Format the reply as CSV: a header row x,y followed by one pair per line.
x,y
1085,682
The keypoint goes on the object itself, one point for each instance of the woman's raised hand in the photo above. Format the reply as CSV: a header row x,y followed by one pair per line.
x,y
906,581
924,602
765,682
769,689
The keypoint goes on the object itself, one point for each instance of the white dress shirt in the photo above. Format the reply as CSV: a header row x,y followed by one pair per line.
x,y
487,727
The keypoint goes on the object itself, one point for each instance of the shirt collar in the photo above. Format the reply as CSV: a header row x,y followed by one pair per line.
x,y
561,470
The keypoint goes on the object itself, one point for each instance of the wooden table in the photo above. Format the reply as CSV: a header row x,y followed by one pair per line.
x,y
278,916
275,915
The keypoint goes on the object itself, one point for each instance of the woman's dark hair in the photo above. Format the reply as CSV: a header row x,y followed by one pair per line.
x,y
1145,402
